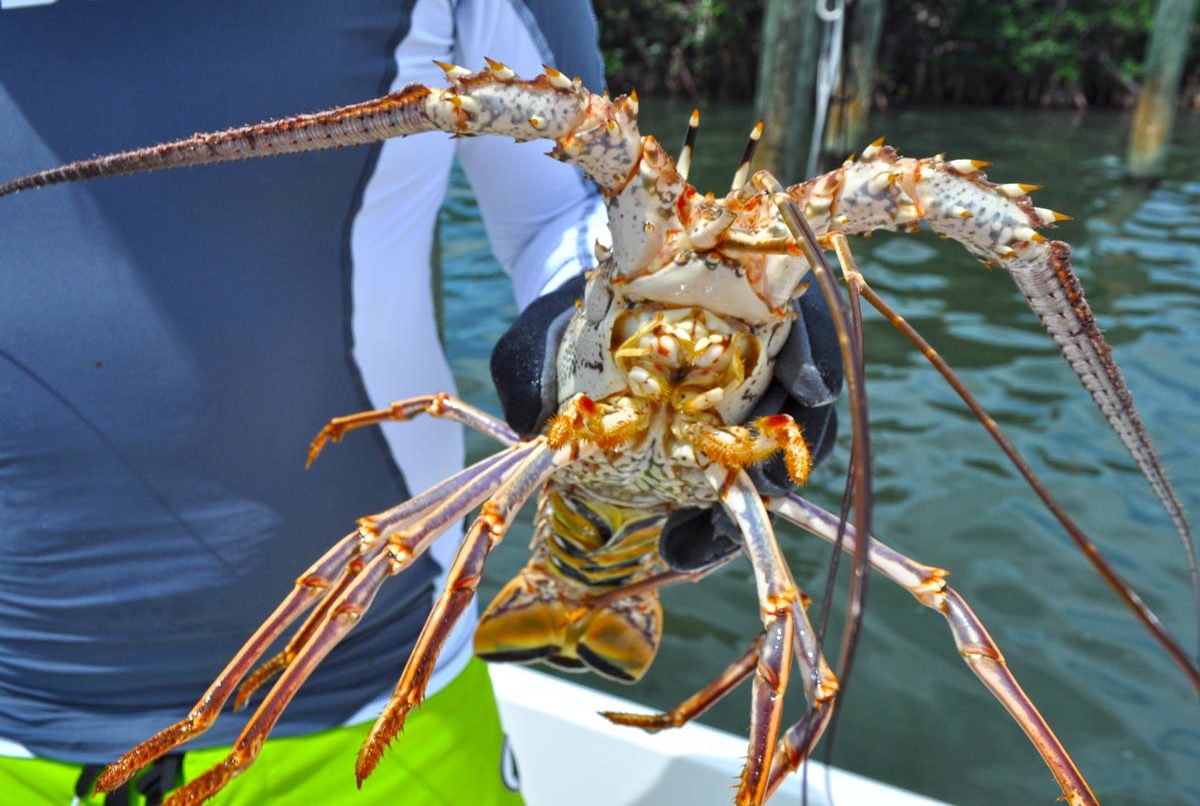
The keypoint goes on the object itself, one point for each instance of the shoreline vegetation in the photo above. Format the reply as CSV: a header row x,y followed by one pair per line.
x,y
1023,53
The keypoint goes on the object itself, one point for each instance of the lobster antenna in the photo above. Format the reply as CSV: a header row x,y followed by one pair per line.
x,y
850,346
743,171
685,154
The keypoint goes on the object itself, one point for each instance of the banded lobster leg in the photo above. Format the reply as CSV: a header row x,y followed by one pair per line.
x,y
730,678
462,580
577,432
785,625
439,405
820,685
977,648
928,585
325,581
526,467
421,518
763,656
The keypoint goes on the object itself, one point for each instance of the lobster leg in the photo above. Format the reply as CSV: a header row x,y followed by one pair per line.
x,y
732,676
441,504
428,520
729,679
439,405
462,581
347,610
977,648
653,583
311,585
859,490
819,682
798,741
401,549
440,513
776,595
275,665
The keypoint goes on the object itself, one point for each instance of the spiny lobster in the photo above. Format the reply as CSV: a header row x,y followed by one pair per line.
x,y
673,343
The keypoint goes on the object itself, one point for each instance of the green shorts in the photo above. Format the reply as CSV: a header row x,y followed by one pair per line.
x,y
449,753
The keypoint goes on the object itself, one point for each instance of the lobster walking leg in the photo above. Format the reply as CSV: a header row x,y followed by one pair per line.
x,y
822,688
977,648
731,677
275,665
346,611
311,586
440,506
776,594
467,488
691,708
819,683
439,405
462,580
860,489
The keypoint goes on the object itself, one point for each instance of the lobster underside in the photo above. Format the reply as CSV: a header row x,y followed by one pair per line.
x,y
674,342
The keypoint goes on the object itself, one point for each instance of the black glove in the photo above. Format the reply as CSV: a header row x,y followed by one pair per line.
x,y
525,360
807,381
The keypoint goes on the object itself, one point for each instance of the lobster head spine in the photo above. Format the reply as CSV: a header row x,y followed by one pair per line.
x,y
717,274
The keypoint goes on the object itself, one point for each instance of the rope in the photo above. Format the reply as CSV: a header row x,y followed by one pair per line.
x,y
829,61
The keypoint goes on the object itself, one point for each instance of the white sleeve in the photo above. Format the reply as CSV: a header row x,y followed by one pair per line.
x,y
542,217
396,345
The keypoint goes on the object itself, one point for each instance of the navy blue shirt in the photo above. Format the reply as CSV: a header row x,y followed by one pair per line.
x,y
169,344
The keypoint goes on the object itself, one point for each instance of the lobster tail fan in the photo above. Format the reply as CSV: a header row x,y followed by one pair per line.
x,y
535,618
1056,296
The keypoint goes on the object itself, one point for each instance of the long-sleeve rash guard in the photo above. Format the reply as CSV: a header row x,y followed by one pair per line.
x,y
170,342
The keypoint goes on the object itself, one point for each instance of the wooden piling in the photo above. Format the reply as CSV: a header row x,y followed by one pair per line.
x,y
852,99
1154,118
786,74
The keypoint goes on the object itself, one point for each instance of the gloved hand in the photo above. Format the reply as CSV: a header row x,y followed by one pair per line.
x,y
808,379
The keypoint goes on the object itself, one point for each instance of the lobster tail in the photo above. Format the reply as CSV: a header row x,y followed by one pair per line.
x,y
536,617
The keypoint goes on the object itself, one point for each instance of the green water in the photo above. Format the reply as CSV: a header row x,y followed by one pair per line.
x,y
914,715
